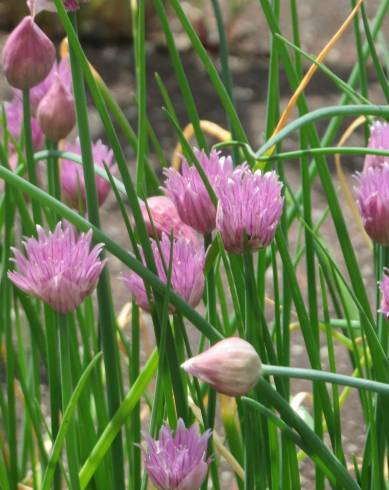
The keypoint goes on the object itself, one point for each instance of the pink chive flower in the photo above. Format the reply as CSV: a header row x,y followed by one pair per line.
x,y
177,462
379,140
165,219
59,268
373,202
384,287
28,55
231,366
72,177
187,190
250,207
14,115
187,277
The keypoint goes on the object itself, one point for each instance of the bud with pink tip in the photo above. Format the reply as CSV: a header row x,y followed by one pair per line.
x,y
373,202
249,209
165,219
28,55
56,114
231,366
189,194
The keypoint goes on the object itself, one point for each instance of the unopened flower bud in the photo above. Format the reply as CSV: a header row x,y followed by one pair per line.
x,y
165,219
28,55
231,366
56,114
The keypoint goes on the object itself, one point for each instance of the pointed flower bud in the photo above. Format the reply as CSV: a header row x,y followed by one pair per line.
x,y
187,277
59,268
56,114
165,219
189,194
61,69
72,176
250,207
231,366
373,202
379,140
177,462
28,55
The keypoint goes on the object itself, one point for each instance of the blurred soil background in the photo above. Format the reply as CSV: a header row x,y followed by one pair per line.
x,y
106,37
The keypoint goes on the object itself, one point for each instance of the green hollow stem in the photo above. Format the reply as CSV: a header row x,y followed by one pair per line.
x,y
324,113
107,321
326,377
30,151
52,348
67,390
115,424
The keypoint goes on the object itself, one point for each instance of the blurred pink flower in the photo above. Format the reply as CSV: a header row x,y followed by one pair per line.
x,y
12,162
72,5
250,206
187,277
373,202
177,462
187,190
28,55
165,219
379,140
384,286
14,115
231,366
72,177
59,268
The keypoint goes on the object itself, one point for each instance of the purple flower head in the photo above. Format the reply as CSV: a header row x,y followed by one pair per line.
x,y
384,286
379,140
59,267
14,115
187,277
373,202
187,190
72,177
250,206
177,462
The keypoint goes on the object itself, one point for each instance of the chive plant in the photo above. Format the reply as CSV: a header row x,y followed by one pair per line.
x,y
210,266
